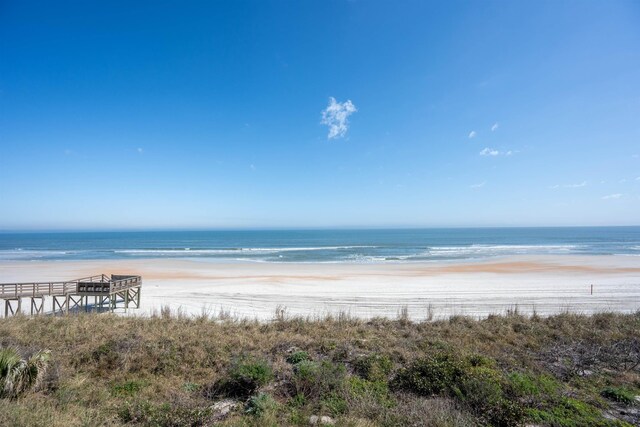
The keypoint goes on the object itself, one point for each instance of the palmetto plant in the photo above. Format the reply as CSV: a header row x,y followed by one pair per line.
x,y
19,375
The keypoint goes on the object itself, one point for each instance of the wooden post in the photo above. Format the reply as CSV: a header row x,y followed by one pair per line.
x,y
591,289
8,308
35,307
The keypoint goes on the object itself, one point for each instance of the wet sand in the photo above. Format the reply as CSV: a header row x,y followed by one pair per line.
x,y
544,284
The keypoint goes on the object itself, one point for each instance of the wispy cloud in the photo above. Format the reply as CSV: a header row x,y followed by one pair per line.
x,y
252,167
638,178
581,184
336,115
495,127
612,196
472,134
478,185
489,152
140,150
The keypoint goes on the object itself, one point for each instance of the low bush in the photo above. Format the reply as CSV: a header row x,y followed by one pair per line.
x,y
319,380
431,375
570,412
297,357
373,367
260,404
243,378
470,380
619,394
128,388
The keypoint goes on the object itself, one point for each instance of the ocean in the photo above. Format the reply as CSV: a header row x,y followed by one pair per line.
x,y
330,246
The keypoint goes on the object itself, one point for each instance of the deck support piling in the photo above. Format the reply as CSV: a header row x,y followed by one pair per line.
x,y
10,309
37,307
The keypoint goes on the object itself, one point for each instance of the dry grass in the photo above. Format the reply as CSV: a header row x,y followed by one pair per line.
x,y
109,370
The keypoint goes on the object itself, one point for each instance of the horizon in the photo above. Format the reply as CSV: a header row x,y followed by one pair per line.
x,y
301,229
324,116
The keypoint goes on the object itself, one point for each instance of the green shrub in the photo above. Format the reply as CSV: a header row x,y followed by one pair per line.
x,y
334,403
373,367
260,404
297,357
129,388
529,386
482,390
315,380
190,387
570,412
470,380
365,390
244,377
619,394
431,375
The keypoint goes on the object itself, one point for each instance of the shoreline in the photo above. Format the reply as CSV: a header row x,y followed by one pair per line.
x,y
545,284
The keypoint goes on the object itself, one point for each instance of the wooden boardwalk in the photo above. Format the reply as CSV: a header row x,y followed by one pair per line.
x,y
74,295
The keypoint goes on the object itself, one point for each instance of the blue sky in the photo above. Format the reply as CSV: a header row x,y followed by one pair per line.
x,y
210,115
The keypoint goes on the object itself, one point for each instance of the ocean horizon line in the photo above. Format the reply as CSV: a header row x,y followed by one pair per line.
x,y
331,228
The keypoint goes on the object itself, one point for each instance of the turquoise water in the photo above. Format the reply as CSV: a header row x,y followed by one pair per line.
x,y
342,246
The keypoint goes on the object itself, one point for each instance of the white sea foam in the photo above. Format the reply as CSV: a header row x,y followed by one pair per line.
x,y
189,251
488,250
31,254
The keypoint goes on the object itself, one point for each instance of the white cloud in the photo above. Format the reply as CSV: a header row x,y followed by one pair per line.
x,y
612,196
582,184
489,152
335,117
638,178
478,185
472,134
495,127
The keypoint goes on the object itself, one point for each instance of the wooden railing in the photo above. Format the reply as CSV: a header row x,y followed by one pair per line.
x,y
101,283
17,290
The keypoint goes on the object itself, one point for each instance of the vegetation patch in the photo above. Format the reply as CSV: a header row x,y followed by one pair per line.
x,y
566,370
244,377
261,404
127,388
620,395
297,357
18,374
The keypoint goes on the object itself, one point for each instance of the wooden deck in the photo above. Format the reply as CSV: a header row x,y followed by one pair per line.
x,y
107,291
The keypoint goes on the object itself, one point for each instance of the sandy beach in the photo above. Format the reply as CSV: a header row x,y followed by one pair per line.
x,y
544,284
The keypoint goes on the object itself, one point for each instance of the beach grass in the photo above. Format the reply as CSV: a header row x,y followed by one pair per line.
x,y
172,370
